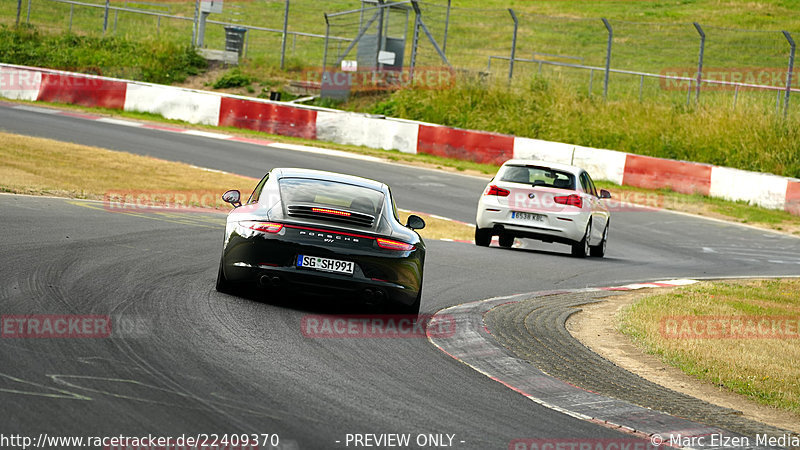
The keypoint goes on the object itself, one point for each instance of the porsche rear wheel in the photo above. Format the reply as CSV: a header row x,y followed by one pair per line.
x,y
223,285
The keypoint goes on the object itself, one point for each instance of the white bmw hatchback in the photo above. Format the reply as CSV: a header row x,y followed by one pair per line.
x,y
544,201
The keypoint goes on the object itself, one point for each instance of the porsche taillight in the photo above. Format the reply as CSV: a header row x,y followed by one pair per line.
x,y
333,212
264,227
389,244
569,200
498,191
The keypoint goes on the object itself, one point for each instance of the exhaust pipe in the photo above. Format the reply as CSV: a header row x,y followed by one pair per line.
x,y
373,297
264,281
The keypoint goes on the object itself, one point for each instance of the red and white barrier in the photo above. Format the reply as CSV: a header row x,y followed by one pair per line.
x,y
478,146
35,84
269,117
759,189
174,103
369,131
20,84
659,173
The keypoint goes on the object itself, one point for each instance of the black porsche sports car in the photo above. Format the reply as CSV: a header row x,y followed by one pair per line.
x,y
324,233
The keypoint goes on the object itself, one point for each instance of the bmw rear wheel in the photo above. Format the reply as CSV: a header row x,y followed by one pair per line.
x,y
506,240
581,249
483,236
600,249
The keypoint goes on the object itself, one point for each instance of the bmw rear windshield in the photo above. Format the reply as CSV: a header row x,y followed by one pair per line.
x,y
331,194
538,176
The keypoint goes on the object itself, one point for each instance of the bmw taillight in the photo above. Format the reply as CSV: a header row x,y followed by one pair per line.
x,y
389,244
570,200
498,191
264,227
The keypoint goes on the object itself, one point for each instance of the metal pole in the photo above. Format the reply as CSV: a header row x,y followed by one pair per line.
x,y
194,23
789,77
201,29
158,26
414,44
415,5
735,96
513,45
28,16
325,50
105,18
19,10
285,30
246,39
116,13
608,57
591,80
778,102
446,28
689,93
700,59
641,87
381,37
71,10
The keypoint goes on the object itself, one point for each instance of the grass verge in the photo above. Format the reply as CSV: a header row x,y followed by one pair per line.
x,y
739,212
763,369
39,166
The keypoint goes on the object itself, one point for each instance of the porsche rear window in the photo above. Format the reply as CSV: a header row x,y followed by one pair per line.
x,y
330,194
538,176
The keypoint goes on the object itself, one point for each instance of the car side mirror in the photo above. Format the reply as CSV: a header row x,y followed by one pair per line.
x,y
605,194
233,197
415,222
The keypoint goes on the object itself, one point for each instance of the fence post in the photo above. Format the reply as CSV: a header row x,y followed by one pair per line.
x,y
446,27
700,60
325,50
194,22
285,30
415,44
19,10
513,45
71,11
105,18
28,15
789,77
641,87
608,57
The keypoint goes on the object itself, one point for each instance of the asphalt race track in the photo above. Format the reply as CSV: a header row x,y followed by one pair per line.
x,y
190,360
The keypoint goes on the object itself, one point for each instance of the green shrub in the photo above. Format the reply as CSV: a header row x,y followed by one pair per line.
x,y
151,60
232,79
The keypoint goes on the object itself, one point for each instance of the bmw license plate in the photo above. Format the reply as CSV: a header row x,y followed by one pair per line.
x,y
527,216
325,264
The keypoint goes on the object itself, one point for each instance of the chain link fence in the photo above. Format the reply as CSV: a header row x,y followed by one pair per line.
x,y
665,62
